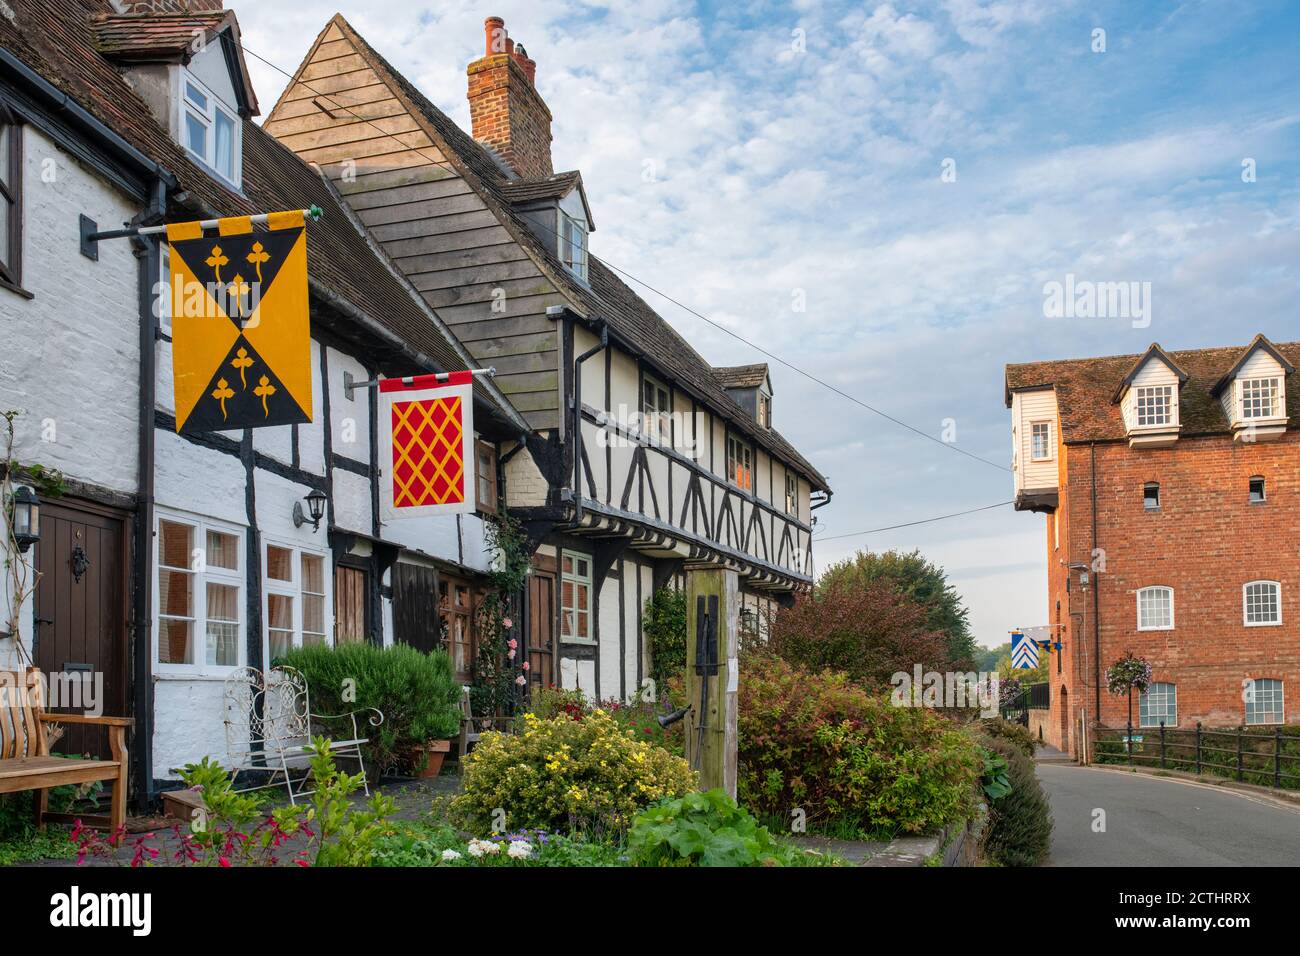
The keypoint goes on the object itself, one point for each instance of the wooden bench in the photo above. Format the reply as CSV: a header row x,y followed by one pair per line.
x,y
27,764
472,728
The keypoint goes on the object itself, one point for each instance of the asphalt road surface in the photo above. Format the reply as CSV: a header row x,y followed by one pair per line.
x,y
1156,821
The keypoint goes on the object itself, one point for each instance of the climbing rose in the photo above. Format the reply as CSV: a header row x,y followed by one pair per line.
x,y
507,623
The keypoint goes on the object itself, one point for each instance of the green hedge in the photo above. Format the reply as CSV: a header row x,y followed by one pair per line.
x,y
821,743
416,692
1020,824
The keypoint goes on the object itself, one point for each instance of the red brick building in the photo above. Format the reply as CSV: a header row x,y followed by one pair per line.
x,y
1170,483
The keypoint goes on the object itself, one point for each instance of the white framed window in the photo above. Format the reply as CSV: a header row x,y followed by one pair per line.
x,y
1259,398
740,463
656,408
1040,441
1155,609
1258,493
765,409
295,599
1158,705
1261,604
573,245
1151,496
1155,405
1265,702
791,494
209,130
575,598
199,595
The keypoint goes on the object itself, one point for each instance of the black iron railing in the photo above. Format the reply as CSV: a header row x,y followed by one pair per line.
x,y
1268,758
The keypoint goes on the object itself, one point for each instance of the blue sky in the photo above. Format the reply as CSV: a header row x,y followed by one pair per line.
x,y
737,154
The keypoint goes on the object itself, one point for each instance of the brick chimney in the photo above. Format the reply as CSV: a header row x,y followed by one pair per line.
x,y
505,109
156,7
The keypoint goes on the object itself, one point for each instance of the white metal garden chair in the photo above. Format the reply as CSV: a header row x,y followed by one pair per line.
x,y
269,724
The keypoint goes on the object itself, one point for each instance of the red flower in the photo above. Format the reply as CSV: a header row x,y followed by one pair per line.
x,y
225,861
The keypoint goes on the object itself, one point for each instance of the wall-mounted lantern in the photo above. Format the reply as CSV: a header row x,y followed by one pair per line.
x,y
26,518
315,510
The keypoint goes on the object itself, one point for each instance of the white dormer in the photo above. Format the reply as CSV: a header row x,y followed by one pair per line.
x,y
191,72
1035,448
556,210
1253,393
1149,399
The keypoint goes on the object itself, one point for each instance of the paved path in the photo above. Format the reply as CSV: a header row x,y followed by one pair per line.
x,y
1157,821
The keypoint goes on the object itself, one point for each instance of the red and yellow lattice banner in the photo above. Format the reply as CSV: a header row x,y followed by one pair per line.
x,y
427,439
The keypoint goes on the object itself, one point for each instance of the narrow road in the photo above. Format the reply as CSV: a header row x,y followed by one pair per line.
x,y
1155,821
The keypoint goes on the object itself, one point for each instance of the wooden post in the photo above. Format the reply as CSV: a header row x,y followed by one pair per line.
x,y
713,594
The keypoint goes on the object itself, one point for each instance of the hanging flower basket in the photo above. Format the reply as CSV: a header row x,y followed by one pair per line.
x,y
1128,673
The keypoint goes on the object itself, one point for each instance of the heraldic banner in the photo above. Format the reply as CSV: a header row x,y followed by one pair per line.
x,y
429,426
241,337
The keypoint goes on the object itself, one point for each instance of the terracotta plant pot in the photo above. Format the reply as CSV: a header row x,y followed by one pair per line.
x,y
436,751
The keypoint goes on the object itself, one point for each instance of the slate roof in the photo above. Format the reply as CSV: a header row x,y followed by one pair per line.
x,y
742,376
605,295
1086,388
519,192
56,38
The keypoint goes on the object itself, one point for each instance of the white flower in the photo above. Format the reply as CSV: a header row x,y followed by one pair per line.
x,y
478,848
520,850
449,855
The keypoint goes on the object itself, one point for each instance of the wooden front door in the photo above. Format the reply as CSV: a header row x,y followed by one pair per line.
x,y
415,606
542,623
351,604
80,611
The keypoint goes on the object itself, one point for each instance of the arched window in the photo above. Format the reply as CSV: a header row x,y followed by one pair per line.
x,y
1155,609
1261,604
1158,705
1264,701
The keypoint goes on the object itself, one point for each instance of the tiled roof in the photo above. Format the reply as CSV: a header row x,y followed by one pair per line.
x,y
556,186
742,376
605,296
136,36
55,38
1085,390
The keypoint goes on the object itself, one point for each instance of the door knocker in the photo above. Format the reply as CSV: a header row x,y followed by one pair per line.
x,y
80,563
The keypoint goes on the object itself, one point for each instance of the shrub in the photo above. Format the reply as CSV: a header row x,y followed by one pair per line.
x,y
664,623
547,702
416,692
702,829
1020,826
822,743
869,631
562,773
1012,732
422,844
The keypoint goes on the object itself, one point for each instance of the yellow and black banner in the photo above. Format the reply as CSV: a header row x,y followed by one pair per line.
x,y
241,338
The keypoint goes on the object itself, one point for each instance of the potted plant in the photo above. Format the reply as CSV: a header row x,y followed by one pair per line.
x,y
431,756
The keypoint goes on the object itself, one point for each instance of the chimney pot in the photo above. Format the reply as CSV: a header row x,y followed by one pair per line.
x,y
494,33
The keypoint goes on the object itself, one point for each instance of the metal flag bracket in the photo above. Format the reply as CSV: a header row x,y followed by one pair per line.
x,y
90,233
350,384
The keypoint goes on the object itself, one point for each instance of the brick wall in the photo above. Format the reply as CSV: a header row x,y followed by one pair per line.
x,y
1206,541
509,115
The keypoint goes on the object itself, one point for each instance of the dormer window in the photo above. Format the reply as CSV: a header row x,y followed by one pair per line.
x,y
573,245
210,131
1155,405
1259,398
765,409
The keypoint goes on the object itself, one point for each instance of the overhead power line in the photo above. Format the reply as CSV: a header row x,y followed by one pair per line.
x,y
910,524
664,295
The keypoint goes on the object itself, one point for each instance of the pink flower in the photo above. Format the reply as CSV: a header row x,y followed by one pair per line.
x,y
512,643
521,680
225,860
507,623
511,653
524,665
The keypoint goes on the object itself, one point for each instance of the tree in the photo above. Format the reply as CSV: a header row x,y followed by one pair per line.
x,y
870,631
921,583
